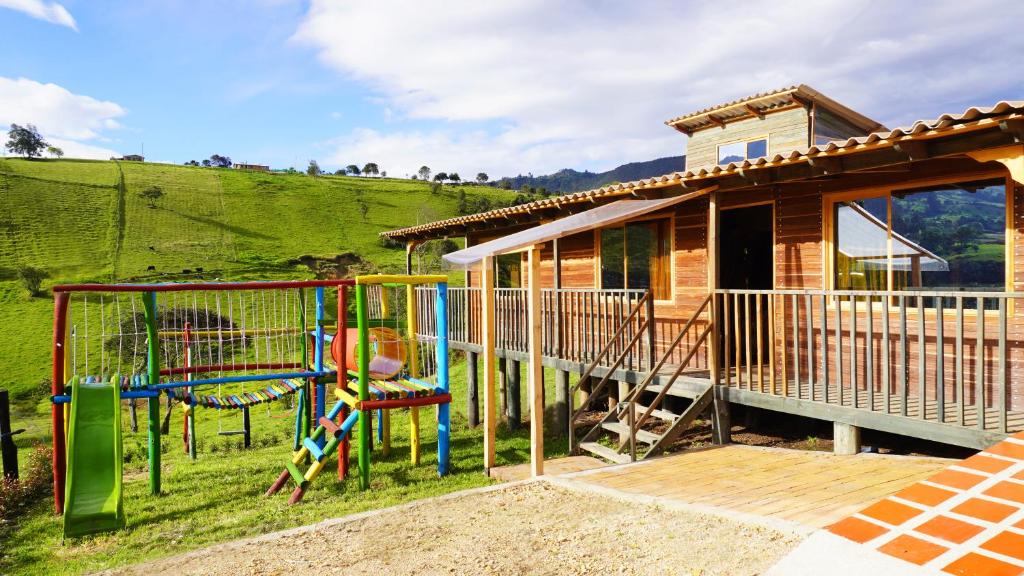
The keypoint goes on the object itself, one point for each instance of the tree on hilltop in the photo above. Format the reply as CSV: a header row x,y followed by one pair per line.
x,y
313,169
218,161
424,173
371,169
352,169
481,177
206,163
454,177
25,140
440,177
55,152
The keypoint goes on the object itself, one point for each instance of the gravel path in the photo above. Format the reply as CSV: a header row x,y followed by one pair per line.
x,y
532,528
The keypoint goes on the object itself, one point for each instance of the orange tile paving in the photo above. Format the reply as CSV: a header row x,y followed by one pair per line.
x,y
912,549
966,520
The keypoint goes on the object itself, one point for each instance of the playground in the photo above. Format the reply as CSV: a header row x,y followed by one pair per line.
x,y
216,470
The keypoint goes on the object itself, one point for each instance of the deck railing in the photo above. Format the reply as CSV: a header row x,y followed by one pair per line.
x,y
576,323
946,357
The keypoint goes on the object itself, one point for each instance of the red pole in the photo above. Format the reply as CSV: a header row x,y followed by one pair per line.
x,y
60,318
342,378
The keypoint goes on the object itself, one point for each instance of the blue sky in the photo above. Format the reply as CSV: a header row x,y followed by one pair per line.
x,y
502,87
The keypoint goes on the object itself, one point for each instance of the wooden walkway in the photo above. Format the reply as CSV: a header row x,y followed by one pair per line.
x,y
812,489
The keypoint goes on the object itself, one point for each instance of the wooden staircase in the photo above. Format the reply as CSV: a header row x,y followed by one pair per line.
x,y
629,440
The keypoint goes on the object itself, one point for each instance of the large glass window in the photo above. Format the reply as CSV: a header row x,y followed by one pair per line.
x,y
638,256
950,237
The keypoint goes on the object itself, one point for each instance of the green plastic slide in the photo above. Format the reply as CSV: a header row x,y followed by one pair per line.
x,y
92,501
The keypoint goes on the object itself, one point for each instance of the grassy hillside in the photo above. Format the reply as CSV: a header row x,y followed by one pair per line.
x,y
84,220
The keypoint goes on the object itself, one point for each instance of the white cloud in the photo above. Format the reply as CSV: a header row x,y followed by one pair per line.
x,y
52,12
531,85
65,119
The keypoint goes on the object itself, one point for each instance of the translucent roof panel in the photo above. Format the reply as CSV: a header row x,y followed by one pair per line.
x,y
594,218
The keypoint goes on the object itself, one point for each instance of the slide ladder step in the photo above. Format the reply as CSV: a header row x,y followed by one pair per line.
x,y
329,425
314,450
296,474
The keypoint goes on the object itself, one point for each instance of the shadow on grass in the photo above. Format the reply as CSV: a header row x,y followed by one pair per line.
x,y
245,232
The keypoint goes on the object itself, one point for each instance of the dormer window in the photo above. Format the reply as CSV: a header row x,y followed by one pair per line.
x,y
743,150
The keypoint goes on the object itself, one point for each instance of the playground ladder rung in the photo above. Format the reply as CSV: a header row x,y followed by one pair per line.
x,y
314,450
332,428
297,475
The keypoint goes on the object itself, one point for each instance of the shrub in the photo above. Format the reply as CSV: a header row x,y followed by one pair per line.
x,y
32,279
16,495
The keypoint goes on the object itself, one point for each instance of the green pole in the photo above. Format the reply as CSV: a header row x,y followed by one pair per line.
x,y
362,322
304,413
153,364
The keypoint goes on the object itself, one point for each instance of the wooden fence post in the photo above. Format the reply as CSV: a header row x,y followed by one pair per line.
x,y
8,451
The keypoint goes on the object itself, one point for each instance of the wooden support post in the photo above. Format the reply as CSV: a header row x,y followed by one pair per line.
x,y
8,451
472,391
845,438
562,402
721,420
503,385
586,385
514,396
623,393
535,367
714,217
613,395
409,247
487,344
246,428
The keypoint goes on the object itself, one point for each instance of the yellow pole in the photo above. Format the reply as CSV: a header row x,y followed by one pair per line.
x,y
414,371
487,344
535,381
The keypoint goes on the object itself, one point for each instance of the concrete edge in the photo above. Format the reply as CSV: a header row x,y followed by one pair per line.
x,y
826,553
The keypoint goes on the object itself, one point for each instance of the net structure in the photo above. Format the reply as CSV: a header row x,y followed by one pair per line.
x,y
219,345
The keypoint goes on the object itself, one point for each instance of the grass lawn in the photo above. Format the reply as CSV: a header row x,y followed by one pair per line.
x,y
219,497
85,221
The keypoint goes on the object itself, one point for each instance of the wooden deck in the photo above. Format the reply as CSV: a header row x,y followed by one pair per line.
x,y
811,489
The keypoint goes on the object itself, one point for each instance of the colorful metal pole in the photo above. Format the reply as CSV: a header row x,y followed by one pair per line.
x,y
60,316
153,365
190,410
414,370
302,411
318,361
342,378
362,323
443,410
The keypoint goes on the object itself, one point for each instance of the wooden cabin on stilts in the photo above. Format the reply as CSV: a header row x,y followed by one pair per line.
x,y
807,261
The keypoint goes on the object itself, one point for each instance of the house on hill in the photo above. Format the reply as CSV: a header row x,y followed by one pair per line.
x,y
133,158
251,167
807,261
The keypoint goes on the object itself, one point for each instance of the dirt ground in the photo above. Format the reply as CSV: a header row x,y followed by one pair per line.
x,y
533,528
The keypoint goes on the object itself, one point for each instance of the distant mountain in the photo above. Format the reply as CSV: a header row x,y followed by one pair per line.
x,y
569,180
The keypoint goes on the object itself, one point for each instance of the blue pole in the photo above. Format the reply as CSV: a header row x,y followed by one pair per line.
x,y
318,360
443,410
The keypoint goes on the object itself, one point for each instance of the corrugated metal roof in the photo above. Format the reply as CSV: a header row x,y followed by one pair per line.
x,y
921,129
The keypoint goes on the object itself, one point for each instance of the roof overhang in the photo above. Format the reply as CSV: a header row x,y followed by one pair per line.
x,y
969,134
600,217
759,105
